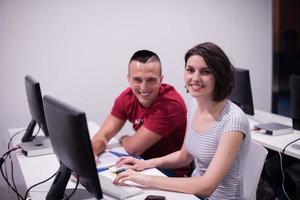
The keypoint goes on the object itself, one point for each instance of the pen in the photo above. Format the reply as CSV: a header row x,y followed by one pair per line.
x,y
123,154
118,171
118,153
101,169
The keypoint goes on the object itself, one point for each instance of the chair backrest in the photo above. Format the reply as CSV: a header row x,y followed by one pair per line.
x,y
254,165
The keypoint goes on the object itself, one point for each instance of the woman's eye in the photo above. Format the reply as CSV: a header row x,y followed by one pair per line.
x,y
206,72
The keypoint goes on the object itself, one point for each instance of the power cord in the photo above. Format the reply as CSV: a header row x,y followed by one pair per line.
x,y
2,160
28,190
289,144
11,162
283,177
73,192
37,131
281,167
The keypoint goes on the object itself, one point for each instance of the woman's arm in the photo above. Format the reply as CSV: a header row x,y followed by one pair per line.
x,y
173,160
177,159
204,185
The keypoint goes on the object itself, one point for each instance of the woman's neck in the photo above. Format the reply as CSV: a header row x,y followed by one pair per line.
x,y
208,106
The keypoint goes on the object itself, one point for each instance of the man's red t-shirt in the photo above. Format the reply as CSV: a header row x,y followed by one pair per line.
x,y
166,117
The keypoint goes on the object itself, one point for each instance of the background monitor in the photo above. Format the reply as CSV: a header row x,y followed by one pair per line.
x,y
295,100
35,103
71,144
241,93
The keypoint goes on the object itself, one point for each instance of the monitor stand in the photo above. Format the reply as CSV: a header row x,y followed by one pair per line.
x,y
40,145
79,194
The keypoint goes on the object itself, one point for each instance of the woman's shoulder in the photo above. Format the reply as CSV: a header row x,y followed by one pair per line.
x,y
234,110
233,114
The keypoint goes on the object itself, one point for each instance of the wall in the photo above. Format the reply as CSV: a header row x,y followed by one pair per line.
x,y
79,50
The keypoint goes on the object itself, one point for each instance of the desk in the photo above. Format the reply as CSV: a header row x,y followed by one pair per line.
x,y
276,143
36,169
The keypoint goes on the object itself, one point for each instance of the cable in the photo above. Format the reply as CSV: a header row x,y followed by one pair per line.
x,y
281,166
12,174
283,177
2,160
289,144
11,163
37,131
27,191
15,134
73,192
4,156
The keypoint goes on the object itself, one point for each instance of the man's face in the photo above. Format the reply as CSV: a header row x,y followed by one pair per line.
x,y
145,80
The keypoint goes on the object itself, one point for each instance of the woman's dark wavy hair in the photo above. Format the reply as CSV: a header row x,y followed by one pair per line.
x,y
220,66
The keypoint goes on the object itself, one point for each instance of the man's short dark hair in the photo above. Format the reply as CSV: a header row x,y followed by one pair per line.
x,y
145,56
220,66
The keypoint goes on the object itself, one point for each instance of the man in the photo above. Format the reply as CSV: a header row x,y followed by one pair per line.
x,y
157,113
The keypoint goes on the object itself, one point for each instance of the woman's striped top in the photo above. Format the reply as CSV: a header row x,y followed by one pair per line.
x,y
202,146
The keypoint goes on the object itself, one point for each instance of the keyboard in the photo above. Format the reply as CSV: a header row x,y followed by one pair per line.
x,y
117,191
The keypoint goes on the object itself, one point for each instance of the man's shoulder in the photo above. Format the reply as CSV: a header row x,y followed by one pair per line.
x,y
125,98
168,91
169,100
127,94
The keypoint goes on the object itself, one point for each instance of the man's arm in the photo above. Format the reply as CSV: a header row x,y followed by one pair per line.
x,y
109,129
140,141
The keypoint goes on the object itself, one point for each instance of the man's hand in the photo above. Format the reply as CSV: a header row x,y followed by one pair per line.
x,y
99,145
122,138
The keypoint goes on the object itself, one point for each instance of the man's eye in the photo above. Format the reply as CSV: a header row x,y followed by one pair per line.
x,y
137,80
152,80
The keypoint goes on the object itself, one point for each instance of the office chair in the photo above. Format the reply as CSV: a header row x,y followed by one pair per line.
x,y
254,165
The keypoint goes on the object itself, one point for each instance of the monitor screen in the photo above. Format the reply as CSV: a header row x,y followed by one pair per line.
x,y
71,144
35,103
295,100
241,93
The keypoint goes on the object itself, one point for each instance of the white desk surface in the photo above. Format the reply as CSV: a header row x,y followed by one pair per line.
x,y
276,143
39,168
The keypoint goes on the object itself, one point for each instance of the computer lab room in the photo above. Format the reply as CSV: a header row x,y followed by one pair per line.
x,y
65,64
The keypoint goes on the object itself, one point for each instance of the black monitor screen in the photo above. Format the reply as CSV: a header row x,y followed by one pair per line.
x,y
241,93
295,100
35,103
71,143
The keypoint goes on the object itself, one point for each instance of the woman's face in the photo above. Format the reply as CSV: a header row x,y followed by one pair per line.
x,y
198,77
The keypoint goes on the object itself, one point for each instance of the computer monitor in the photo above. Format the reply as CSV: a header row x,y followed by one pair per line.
x,y
35,103
241,93
71,144
295,100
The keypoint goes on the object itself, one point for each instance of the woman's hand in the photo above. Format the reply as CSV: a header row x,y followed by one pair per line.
x,y
133,163
131,175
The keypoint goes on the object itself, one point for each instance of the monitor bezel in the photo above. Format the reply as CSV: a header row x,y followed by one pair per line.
x,y
241,94
68,129
35,104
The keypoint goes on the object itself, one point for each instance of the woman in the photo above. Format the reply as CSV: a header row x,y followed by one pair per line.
x,y
217,137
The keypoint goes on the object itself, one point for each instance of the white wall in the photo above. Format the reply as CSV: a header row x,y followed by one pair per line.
x,y
79,50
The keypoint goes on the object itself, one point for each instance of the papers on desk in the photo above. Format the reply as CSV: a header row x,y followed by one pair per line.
x,y
109,158
106,160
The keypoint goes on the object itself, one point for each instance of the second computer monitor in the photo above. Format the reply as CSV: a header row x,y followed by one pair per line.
x,y
35,104
71,144
242,93
295,100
